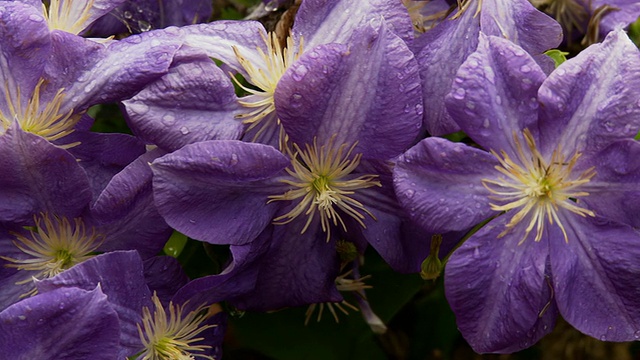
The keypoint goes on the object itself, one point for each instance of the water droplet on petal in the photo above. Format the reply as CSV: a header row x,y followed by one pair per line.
x,y
127,15
498,99
525,68
144,26
418,109
234,159
272,6
22,317
299,73
184,130
409,193
486,123
459,94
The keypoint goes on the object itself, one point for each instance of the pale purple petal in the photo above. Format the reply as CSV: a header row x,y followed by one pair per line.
x,y
440,52
63,324
590,100
439,184
217,191
194,102
595,277
625,12
353,94
494,95
322,22
500,290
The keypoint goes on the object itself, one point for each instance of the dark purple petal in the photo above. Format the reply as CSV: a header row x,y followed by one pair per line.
x,y
10,291
120,276
39,177
103,155
129,218
297,269
439,184
499,290
440,52
24,47
353,93
591,100
164,276
194,102
494,95
322,22
217,191
63,324
595,277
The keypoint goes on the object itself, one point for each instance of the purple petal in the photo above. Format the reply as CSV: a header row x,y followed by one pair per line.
x,y
62,324
625,12
39,177
590,100
595,276
194,102
499,290
326,87
217,191
25,45
440,52
439,184
164,276
494,95
614,191
120,276
322,22
127,211
297,269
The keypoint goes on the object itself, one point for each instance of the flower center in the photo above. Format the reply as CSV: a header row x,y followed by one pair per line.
x,y
67,15
172,336
537,188
46,121
322,179
265,77
54,245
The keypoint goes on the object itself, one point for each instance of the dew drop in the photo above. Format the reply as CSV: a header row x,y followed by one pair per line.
x,y
192,221
22,317
486,123
127,15
184,130
459,94
636,334
498,100
168,119
418,109
144,26
470,105
272,6
473,63
139,108
299,73
525,68
603,338
609,126
35,18
234,159
409,193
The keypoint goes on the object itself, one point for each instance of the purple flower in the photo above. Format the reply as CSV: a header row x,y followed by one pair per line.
x,y
441,50
149,325
559,153
212,111
48,221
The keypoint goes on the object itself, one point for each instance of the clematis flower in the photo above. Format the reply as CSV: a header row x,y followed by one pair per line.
x,y
553,245
212,111
48,221
67,323
441,50
51,77
150,328
334,183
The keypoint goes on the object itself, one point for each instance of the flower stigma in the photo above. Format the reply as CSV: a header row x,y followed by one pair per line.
x,y
323,180
46,121
67,15
537,188
265,77
172,336
54,245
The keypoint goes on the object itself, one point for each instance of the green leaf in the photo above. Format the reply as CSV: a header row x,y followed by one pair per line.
x,y
558,56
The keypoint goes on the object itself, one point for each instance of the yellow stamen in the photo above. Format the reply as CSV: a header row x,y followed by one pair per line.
x,y
342,284
46,121
63,15
54,246
173,336
322,180
265,77
535,189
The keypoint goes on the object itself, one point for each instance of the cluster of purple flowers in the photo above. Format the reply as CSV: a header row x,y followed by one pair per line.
x,y
300,147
